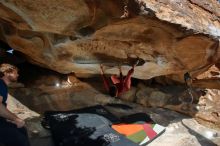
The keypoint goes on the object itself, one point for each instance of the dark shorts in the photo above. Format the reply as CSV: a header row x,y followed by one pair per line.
x,y
10,135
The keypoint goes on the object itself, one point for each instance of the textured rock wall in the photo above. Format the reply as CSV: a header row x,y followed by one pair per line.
x,y
171,37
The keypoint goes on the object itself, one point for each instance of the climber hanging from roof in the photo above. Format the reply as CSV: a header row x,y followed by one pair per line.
x,y
118,85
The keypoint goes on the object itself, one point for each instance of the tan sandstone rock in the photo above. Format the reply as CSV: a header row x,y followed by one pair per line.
x,y
171,37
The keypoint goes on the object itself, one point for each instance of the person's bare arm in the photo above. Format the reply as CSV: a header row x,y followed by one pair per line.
x,y
127,81
5,113
104,78
120,74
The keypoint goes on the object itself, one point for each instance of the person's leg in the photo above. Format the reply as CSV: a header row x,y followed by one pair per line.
x,y
10,135
23,130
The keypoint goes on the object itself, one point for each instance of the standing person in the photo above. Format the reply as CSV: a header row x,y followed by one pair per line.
x,y
188,82
187,98
12,131
118,85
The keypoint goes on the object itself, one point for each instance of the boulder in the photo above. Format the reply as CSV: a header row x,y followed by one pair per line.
x,y
170,37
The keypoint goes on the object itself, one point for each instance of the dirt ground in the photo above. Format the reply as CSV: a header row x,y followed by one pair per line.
x,y
181,130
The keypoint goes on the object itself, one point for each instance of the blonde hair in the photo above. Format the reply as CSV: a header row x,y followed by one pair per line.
x,y
7,68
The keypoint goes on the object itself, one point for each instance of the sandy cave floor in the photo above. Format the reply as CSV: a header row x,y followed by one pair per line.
x,y
181,130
